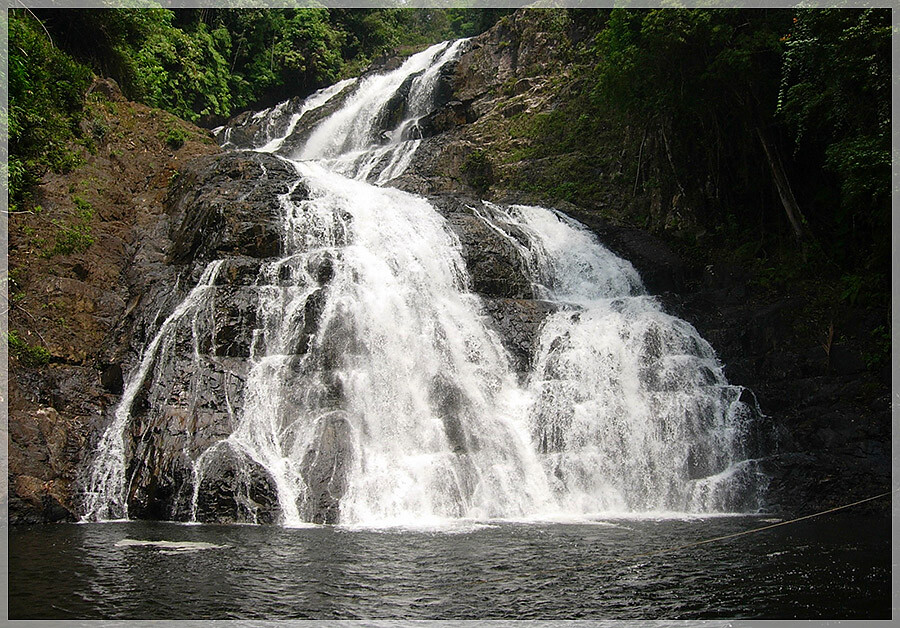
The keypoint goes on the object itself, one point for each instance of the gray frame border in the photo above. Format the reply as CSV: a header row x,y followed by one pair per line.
x,y
475,4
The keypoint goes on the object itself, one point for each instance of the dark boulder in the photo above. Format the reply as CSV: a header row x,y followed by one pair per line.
x,y
449,403
234,321
495,266
324,468
111,379
225,205
519,323
235,489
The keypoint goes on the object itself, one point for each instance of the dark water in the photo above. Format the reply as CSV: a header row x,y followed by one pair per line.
x,y
830,567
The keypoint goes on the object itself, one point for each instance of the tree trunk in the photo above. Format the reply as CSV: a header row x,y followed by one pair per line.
x,y
671,161
791,208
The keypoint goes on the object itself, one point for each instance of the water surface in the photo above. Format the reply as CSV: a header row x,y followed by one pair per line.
x,y
837,566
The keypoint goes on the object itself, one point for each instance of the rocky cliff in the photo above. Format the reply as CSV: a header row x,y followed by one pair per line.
x,y
73,263
160,220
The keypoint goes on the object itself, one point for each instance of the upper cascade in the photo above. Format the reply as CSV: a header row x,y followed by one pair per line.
x,y
400,361
366,128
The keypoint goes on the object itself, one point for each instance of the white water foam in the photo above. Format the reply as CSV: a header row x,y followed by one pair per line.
x,y
315,101
348,141
171,547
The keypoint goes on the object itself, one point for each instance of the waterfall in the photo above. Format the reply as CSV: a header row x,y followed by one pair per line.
x,y
105,498
631,410
377,390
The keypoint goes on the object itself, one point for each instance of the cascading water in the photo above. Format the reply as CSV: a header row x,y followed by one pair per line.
x,y
630,408
377,391
106,498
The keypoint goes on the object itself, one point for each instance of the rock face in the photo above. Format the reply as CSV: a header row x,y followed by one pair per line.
x,y
834,435
495,268
74,304
510,72
223,208
324,467
222,213
235,489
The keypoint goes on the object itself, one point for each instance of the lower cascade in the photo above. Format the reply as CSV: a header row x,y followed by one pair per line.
x,y
354,372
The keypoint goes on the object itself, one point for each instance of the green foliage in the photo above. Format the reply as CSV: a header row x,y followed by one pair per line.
x,y
851,287
181,72
478,170
28,355
864,289
700,82
880,352
701,90
835,97
837,70
46,96
70,238
75,236
472,22
217,61
174,137
83,209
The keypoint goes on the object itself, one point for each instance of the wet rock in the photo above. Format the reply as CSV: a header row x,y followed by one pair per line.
x,y
111,379
394,110
312,312
223,205
495,266
518,322
660,267
183,408
243,130
449,404
235,489
220,207
92,317
234,321
324,468
35,501
845,360
321,267
238,271
453,115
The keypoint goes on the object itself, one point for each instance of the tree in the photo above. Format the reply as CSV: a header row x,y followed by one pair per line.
x,y
46,97
836,98
705,83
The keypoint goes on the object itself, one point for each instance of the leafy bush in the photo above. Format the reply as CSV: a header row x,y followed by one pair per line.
x,y
174,137
74,237
83,208
70,238
478,170
835,98
46,97
28,355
